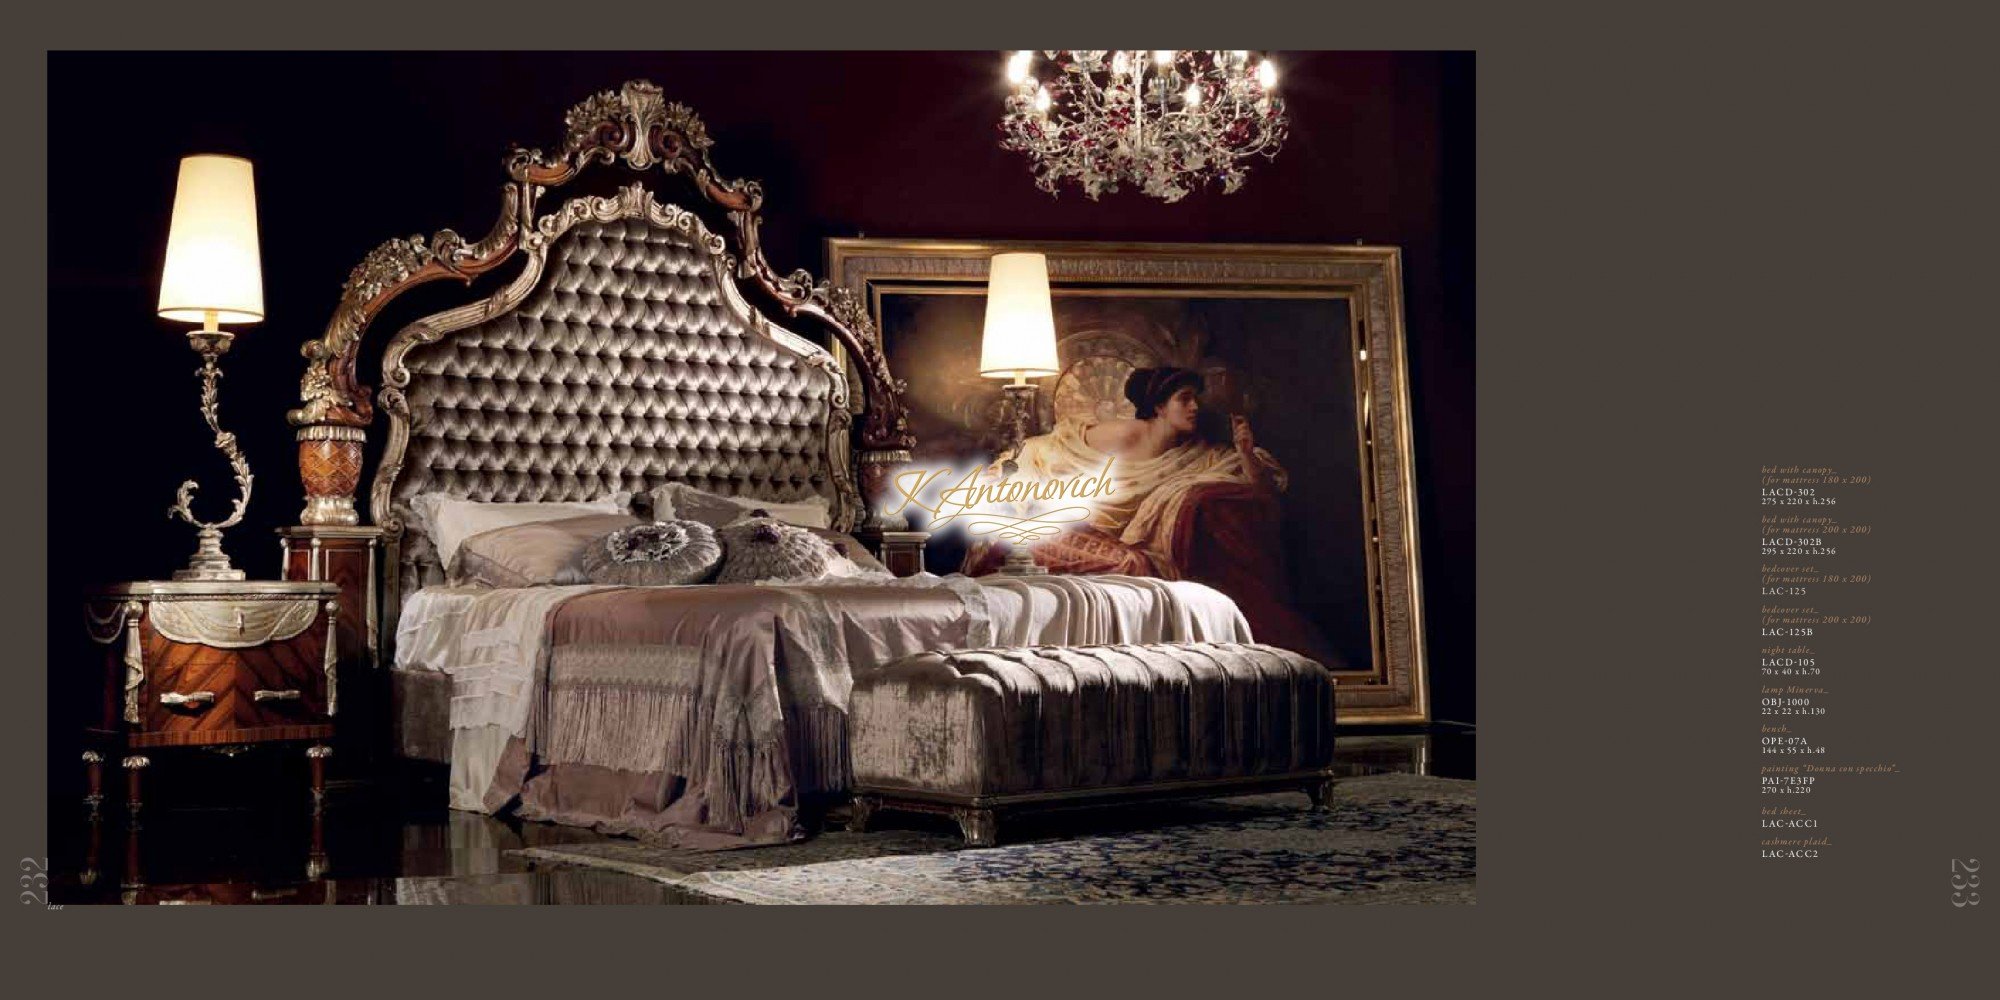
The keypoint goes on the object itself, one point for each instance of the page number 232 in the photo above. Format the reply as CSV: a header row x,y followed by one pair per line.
x,y
1965,877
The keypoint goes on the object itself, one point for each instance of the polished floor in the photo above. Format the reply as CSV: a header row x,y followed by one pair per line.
x,y
393,842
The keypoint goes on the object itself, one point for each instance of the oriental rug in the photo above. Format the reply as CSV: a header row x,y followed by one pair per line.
x,y
1389,838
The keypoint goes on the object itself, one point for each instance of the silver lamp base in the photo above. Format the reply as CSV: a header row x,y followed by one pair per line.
x,y
1021,562
1019,419
209,561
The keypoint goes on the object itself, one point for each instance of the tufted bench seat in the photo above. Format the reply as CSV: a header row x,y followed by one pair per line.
x,y
976,733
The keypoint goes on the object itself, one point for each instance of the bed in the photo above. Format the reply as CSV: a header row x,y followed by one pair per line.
x,y
626,353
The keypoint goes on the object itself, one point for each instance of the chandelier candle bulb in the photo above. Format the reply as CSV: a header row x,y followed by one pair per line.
x,y
1267,74
1017,67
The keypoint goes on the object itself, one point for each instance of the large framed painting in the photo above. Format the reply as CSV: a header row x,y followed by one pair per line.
x,y
1289,488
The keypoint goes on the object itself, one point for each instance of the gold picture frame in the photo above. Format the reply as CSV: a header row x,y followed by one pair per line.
x,y
1367,279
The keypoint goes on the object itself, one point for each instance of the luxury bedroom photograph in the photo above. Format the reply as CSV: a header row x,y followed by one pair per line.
x,y
949,477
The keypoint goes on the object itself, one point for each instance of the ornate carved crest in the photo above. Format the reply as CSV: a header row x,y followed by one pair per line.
x,y
639,126
329,392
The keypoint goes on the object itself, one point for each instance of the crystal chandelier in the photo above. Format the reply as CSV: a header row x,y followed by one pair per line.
x,y
1165,122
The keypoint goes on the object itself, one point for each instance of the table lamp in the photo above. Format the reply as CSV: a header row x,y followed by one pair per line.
x,y
212,277
1019,343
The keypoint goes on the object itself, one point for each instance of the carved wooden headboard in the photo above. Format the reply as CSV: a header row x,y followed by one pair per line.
x,y
624,354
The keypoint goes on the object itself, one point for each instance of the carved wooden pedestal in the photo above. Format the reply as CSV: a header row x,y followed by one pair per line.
x,y
348,556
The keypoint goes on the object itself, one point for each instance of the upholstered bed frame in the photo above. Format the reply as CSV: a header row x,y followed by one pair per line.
x,y
626,352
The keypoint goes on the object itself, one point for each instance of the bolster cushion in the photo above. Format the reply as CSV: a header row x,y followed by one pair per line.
x,y
1061,718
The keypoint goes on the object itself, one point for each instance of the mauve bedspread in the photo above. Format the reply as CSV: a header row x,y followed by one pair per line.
x,y
704,715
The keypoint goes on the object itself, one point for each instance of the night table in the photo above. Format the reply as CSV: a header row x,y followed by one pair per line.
x,y
900,552
348,557
216,664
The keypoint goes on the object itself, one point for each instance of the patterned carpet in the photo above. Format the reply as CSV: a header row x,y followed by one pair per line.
x,y
1390,838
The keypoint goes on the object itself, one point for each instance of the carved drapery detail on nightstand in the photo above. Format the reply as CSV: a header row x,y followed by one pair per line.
x,y
636,128
123,620
233,624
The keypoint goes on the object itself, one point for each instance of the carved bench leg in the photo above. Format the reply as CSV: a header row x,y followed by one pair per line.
x,y
978,826
1321,793
864,810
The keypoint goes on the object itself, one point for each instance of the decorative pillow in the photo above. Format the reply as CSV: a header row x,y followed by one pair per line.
x,y
679,500
448,521
850,547
534,554
764,549
663,553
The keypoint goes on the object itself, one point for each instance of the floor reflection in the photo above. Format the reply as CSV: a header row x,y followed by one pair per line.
x,y
392,843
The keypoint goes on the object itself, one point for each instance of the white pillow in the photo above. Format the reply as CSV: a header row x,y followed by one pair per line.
x,y
679,500
448,521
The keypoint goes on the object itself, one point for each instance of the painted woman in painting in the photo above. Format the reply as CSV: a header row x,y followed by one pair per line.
x,y
1185,507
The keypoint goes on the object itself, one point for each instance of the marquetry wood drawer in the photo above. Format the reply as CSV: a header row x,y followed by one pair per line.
x,y
217,663
193,687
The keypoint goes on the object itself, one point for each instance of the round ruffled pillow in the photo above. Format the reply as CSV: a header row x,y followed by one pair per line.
x,y
764,548
663,553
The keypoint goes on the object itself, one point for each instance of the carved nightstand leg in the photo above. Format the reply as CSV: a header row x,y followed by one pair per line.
x,y
978,826
316,857
135,877
864,810
1321,793
133,764
93,769
133,801
92,853
317,755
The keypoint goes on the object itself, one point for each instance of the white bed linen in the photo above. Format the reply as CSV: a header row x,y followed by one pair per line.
x,y
491,640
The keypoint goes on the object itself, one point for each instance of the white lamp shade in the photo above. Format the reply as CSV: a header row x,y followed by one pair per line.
x,y
1020,337
212,245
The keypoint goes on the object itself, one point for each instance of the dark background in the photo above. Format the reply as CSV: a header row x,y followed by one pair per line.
x,y
351,149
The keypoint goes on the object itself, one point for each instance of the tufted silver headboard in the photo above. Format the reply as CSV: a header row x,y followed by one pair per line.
x,y
622,357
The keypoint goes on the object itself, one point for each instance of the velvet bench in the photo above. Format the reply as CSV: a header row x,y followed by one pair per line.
x,y
975,734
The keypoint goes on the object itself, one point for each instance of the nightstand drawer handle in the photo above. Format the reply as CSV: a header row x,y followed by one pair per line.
x,y
179,700
291,695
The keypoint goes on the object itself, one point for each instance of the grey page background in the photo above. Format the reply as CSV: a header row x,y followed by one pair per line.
x,y
1711,236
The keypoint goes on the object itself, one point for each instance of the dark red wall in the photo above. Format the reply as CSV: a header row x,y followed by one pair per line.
x,y
354,148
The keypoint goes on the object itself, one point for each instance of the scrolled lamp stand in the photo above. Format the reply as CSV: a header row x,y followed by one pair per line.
x,y
1020,415
209,561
